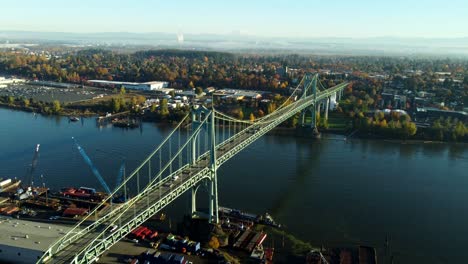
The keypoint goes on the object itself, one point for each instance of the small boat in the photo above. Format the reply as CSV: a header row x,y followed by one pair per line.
x,y
74,118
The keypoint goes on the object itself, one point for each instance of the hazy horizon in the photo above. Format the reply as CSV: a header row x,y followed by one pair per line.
x,y
235,34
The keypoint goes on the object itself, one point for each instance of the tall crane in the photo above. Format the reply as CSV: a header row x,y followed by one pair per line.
x,y
122,198
120,175
93,168
96,173
29,178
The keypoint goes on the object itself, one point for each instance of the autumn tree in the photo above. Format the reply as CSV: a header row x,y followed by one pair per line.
x,y
260,113
116,104
240,114
164,108
26,102
153,108
11,100
122,90
409,129
252,117
56,107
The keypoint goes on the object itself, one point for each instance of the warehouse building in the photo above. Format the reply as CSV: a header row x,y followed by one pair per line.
x,y
26,241
146,86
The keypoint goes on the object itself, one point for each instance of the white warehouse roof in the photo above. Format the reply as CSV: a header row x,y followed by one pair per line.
x,y
30,235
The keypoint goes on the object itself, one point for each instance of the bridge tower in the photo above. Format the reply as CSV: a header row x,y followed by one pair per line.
x,y
199,114
310,89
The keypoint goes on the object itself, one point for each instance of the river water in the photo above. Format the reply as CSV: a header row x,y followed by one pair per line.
x,y
330,191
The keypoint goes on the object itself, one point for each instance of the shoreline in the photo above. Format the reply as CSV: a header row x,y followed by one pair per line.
x,y
288,131
37,111
277,131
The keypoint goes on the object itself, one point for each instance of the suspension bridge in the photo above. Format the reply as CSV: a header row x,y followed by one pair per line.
x,y
190,155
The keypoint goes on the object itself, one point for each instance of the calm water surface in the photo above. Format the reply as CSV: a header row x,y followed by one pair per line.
x,y
326,192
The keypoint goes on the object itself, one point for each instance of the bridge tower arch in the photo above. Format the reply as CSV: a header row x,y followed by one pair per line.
x,y
310,89
199,114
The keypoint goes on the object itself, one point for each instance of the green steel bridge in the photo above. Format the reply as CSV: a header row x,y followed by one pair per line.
x,y
189,156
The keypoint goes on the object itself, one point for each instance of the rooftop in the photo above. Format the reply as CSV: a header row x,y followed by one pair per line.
x,y
28,234
247,93
123,83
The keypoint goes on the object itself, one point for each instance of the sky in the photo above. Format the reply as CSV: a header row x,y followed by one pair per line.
x,y
269,18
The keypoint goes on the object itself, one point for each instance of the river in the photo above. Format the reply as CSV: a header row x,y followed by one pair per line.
x,y
330,191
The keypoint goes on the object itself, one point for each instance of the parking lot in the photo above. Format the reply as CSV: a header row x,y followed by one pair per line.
x,y
49,94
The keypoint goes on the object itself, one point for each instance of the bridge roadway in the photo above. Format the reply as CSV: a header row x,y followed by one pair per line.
x,y
168,189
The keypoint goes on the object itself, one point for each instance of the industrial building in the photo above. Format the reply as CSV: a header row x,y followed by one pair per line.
x,y
4,81
238,94
432,114
147,86
26,241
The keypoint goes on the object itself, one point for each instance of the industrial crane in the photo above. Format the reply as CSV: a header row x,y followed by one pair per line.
x,y
29,178
96,172
27,191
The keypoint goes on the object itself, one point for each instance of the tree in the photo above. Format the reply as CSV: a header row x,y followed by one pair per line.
x,y
153,108
116,105
409,129
271,107
11,100
379,115
459,131
56,107
261,113
252,117
26,102
134,103
404,118
140,99
122,90
164,108
240,115
383,123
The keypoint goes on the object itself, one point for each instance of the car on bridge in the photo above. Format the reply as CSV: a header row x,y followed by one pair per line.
x,y
168,184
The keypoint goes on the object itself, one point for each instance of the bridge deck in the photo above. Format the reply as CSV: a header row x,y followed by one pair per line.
x,y
167,190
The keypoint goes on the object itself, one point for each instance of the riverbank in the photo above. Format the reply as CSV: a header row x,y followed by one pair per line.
x,y
350,135
336,126
63,112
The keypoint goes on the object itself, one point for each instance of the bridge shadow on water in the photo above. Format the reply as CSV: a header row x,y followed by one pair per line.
x,y
305,149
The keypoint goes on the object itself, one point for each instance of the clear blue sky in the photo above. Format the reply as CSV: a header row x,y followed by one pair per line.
x,y
289,18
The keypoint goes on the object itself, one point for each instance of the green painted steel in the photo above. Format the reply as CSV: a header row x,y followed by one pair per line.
x,y
89,240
